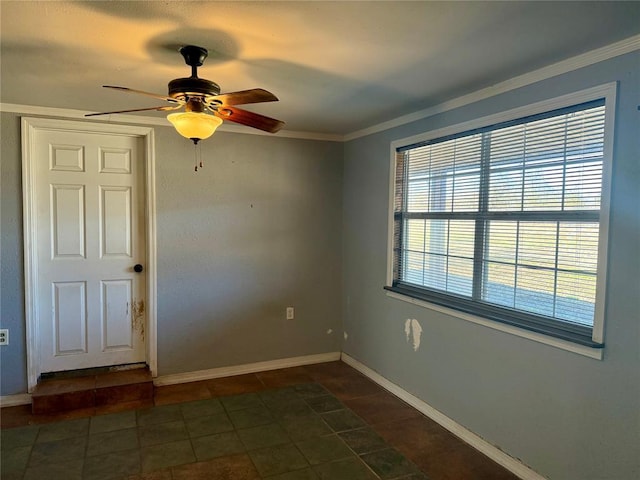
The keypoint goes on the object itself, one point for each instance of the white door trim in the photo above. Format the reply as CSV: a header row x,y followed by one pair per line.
x,y
29,126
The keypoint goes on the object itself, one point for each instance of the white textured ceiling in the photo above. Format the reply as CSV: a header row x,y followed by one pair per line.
x,y
337,67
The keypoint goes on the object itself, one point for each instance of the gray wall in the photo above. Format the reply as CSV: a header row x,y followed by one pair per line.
x,y
13,362
565,415
256,230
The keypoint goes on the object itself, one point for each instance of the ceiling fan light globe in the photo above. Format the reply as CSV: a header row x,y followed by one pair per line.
x,y
194,125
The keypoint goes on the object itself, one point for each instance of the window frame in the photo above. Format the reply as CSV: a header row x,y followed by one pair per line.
x,y
592,349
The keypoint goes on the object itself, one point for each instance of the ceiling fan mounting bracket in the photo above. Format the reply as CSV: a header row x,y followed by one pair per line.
x,y
194,56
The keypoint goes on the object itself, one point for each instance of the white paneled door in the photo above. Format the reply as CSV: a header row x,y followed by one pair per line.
x,y
90,240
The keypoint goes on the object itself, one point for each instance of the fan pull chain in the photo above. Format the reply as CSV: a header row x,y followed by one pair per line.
x,y
197,156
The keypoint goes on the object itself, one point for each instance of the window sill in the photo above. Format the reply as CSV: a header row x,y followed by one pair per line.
x,y
595,353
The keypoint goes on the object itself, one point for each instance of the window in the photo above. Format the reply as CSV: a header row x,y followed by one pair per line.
x,y
506,221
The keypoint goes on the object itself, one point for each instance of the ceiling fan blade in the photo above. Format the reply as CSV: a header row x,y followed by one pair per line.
x,y
255,95
250,119
154,95
160,109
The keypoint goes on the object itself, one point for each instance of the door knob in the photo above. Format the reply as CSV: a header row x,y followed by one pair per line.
x,y
138,268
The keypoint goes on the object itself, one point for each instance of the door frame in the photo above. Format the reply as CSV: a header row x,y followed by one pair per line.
x,y
29,127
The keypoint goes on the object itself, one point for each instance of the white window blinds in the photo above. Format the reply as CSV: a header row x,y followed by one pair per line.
x,y
504,220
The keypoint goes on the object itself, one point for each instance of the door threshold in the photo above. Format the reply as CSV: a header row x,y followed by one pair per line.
x,y
92,388
83,372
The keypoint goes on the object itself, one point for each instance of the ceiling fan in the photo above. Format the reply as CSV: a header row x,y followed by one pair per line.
x,y
205,107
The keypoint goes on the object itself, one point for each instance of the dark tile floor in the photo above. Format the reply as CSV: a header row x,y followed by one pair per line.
x,y
324,421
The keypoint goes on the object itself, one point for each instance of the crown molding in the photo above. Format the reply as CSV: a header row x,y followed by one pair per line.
x,y
155,121
622,47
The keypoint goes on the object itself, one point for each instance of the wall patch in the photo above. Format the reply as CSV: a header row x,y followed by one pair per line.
x,y
413,331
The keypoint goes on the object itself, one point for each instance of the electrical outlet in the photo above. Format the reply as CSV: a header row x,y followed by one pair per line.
x,y
4,336
290,312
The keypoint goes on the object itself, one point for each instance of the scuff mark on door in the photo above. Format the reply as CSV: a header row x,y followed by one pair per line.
x,y
137,320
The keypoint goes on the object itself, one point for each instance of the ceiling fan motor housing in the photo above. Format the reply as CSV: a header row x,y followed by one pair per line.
x,y
184,88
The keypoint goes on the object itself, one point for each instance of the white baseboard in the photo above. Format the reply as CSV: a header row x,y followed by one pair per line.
x,y
247,368
491,451
15,400
25,398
